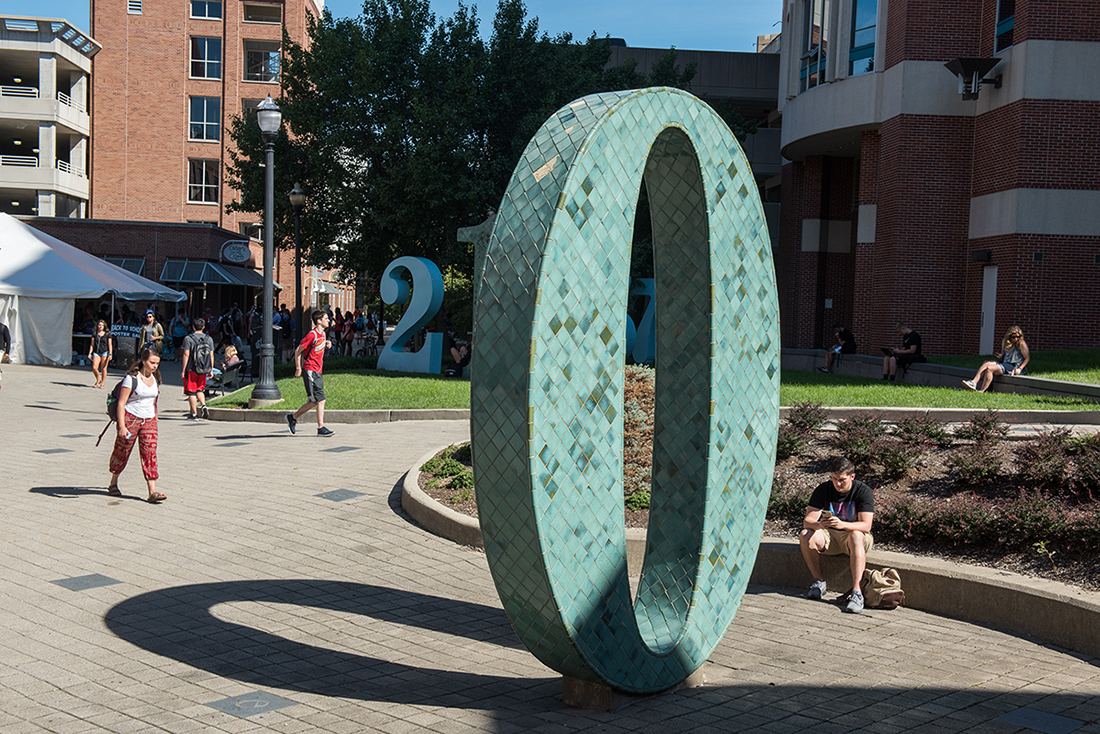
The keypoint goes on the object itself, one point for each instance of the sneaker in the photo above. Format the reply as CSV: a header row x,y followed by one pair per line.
x,y
855,602
823,369
205,411
817,590
323,431
292,422
192,417
971,384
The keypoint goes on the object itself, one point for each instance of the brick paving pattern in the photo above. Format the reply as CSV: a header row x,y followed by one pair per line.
x,y
246,585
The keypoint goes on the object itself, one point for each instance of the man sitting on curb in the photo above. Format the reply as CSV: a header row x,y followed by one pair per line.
x,y
838,522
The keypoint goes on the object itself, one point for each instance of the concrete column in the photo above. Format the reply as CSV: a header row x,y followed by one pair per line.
x,y
78,89
78,154
46,201
47,76
47,145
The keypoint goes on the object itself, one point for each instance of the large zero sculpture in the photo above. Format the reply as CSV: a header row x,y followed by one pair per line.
x,y
548,379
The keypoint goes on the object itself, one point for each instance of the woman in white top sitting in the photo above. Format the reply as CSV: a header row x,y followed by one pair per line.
x,y
137,422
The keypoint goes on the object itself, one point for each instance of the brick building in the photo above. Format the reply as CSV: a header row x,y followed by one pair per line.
x,y
171,76
903,201
45,64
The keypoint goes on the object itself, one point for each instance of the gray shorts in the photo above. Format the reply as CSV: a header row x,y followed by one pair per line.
x,y
315,386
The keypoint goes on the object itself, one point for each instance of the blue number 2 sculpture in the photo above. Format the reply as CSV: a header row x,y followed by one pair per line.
x,y
547,392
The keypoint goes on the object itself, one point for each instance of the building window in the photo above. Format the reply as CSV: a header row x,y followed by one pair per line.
x,y
205,118
1006,21
815,34
259,13
206,9
861,57
202,181
261,61
133,7
206,58
252,231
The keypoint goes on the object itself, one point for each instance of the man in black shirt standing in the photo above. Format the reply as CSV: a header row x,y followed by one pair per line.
x,y
838,522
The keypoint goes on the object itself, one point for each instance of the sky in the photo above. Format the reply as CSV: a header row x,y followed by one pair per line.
x,y
709,25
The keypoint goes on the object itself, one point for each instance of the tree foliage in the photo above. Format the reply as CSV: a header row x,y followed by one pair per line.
x,y
402,127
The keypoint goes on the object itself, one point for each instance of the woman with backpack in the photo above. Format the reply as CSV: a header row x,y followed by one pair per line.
x,y
136,419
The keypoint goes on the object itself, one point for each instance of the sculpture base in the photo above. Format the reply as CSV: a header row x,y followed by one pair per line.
x,y
262,403
583,694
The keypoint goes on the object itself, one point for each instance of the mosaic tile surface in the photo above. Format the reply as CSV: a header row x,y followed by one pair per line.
x,y
546,403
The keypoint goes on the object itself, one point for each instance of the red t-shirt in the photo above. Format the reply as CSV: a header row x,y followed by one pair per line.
x,y
313,351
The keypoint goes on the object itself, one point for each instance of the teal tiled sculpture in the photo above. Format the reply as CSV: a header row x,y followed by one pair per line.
x,y
547,392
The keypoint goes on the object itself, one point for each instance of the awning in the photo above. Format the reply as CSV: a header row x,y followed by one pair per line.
x,y
201,271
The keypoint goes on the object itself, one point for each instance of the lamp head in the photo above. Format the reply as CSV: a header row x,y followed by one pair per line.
x,y
269,117
297,196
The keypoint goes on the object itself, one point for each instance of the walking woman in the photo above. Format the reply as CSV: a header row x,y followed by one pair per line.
x,y
137,422
1011,360
101,351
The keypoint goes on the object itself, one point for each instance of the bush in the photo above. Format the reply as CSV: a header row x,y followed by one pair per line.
x,y
983,428
1086,457
638,501
790,441
463,454
807,417
896,457
787,505
975,466
923,430
1044,461
856,437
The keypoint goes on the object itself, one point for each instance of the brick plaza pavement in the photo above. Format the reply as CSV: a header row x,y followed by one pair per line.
x,y
294,612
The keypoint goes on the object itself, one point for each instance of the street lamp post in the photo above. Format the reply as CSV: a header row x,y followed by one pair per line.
x,y
298,201
266,391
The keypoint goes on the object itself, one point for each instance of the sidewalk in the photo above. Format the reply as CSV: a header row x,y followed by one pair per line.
x,y
280,588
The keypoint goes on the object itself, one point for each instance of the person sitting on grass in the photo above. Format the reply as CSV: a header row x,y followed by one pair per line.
x,y
845,344
1011,360
838,522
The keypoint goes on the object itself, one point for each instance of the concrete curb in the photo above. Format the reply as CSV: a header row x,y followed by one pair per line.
x,y
1056,612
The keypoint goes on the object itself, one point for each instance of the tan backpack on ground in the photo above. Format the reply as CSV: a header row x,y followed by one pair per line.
x,y
882,589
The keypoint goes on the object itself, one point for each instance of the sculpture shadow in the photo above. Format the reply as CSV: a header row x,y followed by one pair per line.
x,y
178,623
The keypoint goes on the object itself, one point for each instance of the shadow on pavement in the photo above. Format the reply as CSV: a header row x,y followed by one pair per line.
x,y
178,623
67,492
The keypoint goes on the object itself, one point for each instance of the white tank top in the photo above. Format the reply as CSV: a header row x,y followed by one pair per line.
x,y
142,402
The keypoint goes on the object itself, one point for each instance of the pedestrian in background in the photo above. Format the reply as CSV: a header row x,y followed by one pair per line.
x,y
100,352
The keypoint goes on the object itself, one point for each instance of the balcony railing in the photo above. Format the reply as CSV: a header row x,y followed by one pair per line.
x,y
68,102
67,167
31,92
24,161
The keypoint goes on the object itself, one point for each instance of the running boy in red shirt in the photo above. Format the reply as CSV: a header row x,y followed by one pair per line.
x,y
313,347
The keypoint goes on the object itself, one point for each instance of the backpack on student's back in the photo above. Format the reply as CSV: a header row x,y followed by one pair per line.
x,y
360,323
202,357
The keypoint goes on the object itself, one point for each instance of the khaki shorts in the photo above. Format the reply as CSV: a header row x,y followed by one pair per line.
x,y
836,542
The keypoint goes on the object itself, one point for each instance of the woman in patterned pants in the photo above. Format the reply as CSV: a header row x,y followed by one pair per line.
x,y
137,422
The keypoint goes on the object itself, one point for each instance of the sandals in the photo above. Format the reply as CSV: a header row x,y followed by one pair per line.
x,y
114,491
156,497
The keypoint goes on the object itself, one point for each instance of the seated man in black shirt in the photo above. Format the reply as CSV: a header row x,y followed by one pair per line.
x,y
845,344
910,352
838,522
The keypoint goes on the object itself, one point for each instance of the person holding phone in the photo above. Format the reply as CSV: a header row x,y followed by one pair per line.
x,y
838,522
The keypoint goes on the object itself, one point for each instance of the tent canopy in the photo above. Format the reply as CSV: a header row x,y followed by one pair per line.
x,y
35,265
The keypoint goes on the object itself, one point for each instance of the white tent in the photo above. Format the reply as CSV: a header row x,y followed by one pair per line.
x,y
41,276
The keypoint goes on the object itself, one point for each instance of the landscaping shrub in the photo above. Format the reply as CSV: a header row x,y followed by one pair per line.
x,y
895,456
1044,461
983,428
638,394
856,436
787,505
923,430
790,441
975,465
807,417
638,500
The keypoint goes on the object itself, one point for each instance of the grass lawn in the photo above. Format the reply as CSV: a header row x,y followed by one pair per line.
x,y
357,388
1074,365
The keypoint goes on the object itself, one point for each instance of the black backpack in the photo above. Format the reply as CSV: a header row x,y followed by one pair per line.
x,y
112,409
202,357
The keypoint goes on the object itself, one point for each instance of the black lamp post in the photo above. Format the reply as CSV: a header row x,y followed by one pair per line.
x,y
297,200
266,391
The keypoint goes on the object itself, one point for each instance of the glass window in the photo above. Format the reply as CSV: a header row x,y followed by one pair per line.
x,y
1006,21
205,118
861,56
261,61
206,58
259,13
815,34
206,9
202,181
